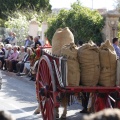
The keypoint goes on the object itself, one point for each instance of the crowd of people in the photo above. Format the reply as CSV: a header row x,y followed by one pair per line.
x,y
20,59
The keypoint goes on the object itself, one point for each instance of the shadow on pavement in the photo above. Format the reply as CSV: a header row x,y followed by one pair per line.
x,y
32,117
21,89
28,109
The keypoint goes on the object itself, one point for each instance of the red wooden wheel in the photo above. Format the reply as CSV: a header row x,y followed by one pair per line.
x,y
46,88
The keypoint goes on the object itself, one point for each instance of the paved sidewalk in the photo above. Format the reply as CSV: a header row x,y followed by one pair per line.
x,y
73,110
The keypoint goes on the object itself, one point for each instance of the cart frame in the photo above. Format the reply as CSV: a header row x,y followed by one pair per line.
x,y
51,83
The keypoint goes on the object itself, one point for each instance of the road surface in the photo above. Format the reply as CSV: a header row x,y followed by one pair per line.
x,y
19,98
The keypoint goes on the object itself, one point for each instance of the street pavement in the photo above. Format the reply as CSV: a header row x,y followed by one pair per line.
x,y
19,98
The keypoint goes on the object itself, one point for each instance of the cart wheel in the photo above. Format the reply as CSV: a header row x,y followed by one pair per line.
x,y
47,88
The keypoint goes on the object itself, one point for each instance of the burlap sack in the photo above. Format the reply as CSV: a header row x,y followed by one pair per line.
x,y
108,59
88,56
118,73
73,70
60,38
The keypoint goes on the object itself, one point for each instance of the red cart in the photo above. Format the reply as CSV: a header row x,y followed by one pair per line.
x,y
51,83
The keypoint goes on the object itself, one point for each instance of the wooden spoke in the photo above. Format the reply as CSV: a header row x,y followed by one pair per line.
x,y
47,83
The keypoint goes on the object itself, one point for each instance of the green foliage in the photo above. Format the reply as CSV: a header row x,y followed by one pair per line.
x,y
29,15
117,5
13,5
84,23
118,34
18,24
18,21
2,23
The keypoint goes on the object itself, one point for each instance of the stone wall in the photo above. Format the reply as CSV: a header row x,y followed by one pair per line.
x,y
111,25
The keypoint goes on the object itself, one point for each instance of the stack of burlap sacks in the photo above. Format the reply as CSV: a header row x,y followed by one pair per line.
x,y
97,65
88,65
63,44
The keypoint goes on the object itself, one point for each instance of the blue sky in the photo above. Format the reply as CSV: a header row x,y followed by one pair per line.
x,y
108,4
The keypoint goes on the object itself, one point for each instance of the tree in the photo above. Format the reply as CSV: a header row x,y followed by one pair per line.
x,y
18,21
117,5
84,23
13,5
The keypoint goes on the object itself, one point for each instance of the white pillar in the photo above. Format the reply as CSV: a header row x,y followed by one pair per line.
x,y
44,29
33,28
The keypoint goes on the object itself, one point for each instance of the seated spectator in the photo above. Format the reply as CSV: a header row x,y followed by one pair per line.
x,y
19,59
116,47
29,41
37,52
18,48
12,57
8,53
36,40
35,64
9,38
26,69
13,41
41,41
25,63
8,48
20,65
2,55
